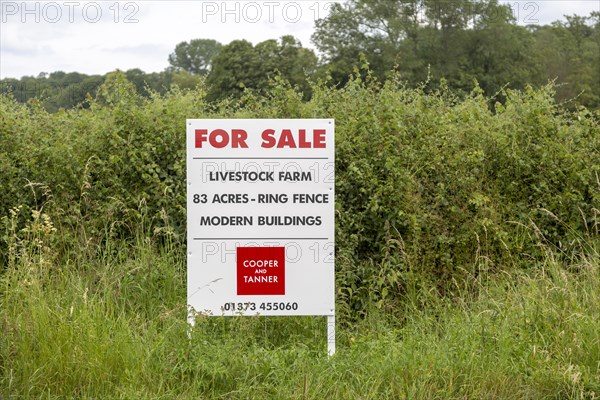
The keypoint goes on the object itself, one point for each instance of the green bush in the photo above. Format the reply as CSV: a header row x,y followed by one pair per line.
x,y
431,189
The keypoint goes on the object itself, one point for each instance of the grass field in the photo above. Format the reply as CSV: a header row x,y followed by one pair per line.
x,y
110,323
467,251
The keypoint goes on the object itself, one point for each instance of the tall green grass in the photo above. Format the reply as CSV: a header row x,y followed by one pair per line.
x,y
110,322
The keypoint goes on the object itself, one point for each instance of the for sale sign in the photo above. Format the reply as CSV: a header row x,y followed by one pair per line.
x,y
260,208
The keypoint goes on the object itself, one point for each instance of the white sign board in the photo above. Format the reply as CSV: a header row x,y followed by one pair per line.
x,y
260,216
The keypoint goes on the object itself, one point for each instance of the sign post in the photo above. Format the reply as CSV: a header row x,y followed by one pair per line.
x,y
260,218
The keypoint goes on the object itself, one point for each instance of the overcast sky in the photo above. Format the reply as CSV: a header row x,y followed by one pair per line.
x,y
96,37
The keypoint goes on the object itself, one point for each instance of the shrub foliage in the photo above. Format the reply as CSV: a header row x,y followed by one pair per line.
x,y
431,188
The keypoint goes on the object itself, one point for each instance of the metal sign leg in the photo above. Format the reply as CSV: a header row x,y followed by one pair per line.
x,y
191,318
330,335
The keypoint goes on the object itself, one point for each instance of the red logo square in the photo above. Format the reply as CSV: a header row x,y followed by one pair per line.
x,y
260,270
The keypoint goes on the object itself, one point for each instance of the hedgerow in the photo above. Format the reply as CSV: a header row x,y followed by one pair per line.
x,y
431,189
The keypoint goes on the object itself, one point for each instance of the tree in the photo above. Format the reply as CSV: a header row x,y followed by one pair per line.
x,y
147,82
495,63
196,56
570,53
427,40
185,80
384,31
241,65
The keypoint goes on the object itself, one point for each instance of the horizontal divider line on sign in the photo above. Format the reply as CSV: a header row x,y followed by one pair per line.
x,y
261,158
255,238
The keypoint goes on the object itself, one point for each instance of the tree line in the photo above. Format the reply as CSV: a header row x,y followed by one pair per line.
x,y
456,44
